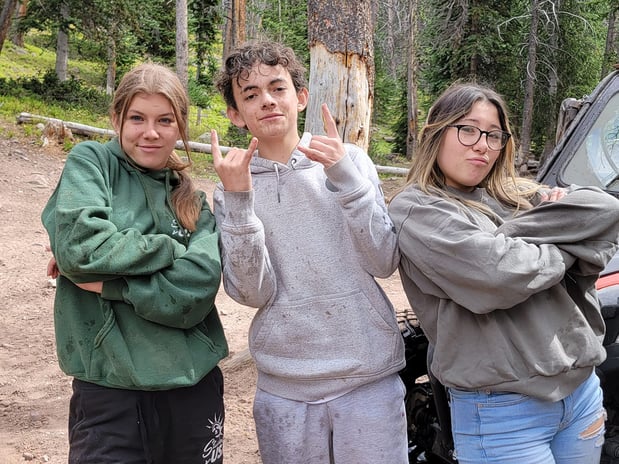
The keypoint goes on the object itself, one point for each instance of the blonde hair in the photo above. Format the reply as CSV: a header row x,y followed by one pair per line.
x,y
502,182
152,79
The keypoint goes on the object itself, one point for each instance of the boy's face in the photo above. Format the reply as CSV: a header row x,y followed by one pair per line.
x,y
267,102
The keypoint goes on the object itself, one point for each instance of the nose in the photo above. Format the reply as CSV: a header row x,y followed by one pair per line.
x,y
482,143
268,100
150,131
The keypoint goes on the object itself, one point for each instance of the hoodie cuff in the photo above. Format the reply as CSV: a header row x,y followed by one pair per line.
x,y
113,289
344,175
239,208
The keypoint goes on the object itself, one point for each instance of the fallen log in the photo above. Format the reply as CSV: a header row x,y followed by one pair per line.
x,y
83,129
75,127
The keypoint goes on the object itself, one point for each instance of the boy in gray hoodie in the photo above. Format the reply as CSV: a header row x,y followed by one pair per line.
x,y
304,232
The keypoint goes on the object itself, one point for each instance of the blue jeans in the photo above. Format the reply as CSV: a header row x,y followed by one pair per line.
x,y
511,428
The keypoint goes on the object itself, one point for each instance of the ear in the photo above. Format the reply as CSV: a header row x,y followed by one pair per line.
x,y
235,117
303,97
116,123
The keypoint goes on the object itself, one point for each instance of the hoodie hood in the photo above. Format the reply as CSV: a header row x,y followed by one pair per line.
x,y
276,169
297,160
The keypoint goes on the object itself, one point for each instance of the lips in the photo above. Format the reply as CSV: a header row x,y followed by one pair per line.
x,y
149,147
479,160
271,116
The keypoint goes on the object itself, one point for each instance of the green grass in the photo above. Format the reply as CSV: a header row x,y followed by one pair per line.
x,y
34,61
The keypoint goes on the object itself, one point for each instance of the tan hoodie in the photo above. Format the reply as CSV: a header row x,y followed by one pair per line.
x,y
510,305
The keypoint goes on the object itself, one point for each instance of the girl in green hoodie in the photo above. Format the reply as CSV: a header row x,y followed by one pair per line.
x,y
138,267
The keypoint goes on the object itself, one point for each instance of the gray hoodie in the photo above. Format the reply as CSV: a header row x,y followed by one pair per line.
x,y
509,302
304,247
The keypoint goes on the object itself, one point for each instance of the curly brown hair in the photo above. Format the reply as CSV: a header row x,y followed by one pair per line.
x,y
240,62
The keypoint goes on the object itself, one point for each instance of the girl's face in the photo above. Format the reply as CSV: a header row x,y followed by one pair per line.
x,y
150,131
465,167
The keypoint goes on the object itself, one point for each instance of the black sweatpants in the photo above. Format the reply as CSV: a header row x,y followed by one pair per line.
x,y
179,426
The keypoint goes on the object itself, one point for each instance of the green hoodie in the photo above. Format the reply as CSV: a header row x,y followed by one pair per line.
x,y
155,325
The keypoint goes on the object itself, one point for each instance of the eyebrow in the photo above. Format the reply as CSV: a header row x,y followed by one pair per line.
x,y
472,122
140,113
249,88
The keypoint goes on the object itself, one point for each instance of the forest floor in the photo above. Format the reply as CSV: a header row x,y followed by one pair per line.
x,y
34,393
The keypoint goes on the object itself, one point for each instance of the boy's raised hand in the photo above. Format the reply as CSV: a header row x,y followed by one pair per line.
x,y
233,170
325,149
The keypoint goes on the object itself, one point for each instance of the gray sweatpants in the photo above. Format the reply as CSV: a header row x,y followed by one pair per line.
x,y
364,426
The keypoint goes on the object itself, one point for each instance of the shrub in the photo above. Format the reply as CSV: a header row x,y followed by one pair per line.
x,y
49,88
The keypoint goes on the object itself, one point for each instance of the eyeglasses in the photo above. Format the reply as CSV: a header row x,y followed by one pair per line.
x,y
470,135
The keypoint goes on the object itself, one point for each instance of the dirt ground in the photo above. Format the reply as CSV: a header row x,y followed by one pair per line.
x,y
34,393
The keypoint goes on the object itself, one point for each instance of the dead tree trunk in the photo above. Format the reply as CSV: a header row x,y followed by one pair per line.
x,y
341,67
553,86
610,49
62,43
234,28
5,19
529,90
182,43
411,82
17,35
110,75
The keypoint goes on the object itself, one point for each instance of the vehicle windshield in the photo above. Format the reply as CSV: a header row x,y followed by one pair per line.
x,y
596,161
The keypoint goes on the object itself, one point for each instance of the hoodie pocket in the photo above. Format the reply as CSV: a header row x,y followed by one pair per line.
x,y
130,352
338,335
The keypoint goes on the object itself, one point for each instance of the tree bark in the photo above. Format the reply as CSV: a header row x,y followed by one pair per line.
x,y
17,36
411,82
110,81
610,50
5,19
182,43
234,28
553,84
62,43
341,67
529,91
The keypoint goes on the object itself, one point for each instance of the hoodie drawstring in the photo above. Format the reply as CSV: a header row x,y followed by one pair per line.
x,y
277,175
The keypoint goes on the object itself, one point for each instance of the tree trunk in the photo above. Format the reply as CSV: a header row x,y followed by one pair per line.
x,y
553,83
390,40
253,18
341,67
5,19
411,82
234,28
110,82
475,20
62,43
17,36
610,50
182,43
529,90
